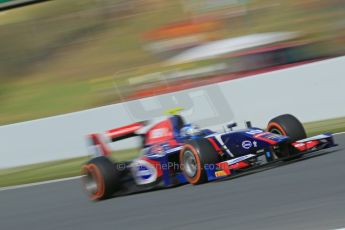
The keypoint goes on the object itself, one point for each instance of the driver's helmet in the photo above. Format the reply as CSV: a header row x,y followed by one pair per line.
x,y
189,130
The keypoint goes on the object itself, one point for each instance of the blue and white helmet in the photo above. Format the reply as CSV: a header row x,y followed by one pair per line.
x,y
189,130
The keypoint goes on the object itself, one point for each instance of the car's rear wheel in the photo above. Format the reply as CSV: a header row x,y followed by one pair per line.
x,y
101,178
195,157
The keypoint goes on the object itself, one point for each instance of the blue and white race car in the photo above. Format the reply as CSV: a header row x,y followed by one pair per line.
x,y
174,152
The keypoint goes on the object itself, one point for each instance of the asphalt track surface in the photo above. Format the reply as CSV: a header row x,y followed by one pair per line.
x,y
308,194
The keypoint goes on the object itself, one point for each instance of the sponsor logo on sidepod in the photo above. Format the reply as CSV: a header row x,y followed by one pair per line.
x,y
143,172
247,144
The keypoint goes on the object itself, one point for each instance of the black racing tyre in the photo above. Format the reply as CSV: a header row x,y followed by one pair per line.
x,y
287,125
195,156
101,178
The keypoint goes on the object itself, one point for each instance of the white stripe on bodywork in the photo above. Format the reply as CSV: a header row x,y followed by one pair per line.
x,y
239,159
174,149
318,137
219,139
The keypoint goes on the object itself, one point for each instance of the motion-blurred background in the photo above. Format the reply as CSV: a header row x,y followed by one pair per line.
x,y
62,56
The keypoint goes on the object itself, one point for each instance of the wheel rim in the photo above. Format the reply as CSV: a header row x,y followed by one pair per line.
x,y
90,183
190,163
276,131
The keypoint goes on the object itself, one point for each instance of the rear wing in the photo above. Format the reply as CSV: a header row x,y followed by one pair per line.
x,y
98,143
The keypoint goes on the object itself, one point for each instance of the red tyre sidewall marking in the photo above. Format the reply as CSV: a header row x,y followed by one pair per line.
x,y
277,126
197,177
97,176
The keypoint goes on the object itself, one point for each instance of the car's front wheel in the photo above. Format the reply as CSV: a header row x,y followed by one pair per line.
x,y
287,125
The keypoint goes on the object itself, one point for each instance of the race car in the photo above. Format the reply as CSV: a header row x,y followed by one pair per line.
x,y
174,152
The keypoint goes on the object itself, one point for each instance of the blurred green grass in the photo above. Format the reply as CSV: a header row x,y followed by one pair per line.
x,y
333,125
53,170
71,167
50,52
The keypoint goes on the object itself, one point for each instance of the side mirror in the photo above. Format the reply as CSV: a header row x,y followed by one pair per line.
x,y
249,124
231,125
